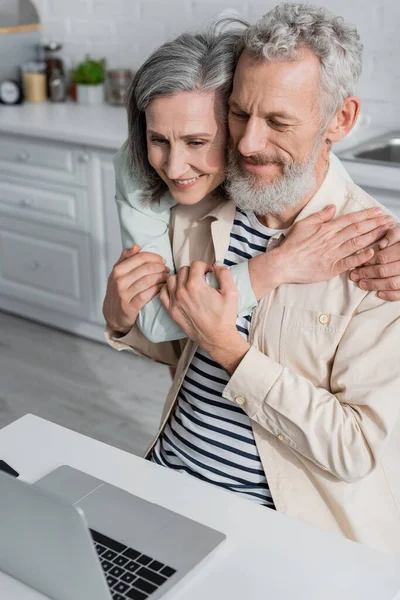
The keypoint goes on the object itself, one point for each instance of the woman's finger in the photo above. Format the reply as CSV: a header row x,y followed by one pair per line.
x,y
360,242
353,261
130,263
354,232
128,252
144,283
355,217
140,300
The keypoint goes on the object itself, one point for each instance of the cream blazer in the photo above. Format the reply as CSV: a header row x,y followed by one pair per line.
x,y
321,382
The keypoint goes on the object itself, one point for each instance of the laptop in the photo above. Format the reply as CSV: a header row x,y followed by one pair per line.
x,y
72,536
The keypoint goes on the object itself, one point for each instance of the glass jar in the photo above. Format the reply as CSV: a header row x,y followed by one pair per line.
x,y
118,82
34,81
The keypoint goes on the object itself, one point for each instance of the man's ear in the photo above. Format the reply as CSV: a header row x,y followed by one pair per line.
x,y
344,119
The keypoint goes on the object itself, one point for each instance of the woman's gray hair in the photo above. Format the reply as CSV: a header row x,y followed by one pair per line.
x,y
192,62
284,31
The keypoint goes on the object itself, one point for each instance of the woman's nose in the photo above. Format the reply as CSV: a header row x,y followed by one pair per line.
x,y
176,164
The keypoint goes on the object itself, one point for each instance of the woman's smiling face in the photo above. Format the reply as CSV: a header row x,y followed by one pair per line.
x,y
186,143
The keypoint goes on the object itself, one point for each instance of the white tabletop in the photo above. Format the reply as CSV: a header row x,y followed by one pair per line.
x,y
266,555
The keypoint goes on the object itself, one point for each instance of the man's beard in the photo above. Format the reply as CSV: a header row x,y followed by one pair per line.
x,y
251,193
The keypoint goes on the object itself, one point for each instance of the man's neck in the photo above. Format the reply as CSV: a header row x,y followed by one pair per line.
x,y
287,217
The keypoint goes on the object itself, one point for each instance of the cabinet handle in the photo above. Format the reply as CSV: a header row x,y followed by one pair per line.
x,y
34,265
23,156
25,202
84,157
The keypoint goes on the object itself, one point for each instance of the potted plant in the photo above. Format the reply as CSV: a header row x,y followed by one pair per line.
x,y
89,78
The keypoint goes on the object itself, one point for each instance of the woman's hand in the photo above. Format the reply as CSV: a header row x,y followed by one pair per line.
x,y
320,247
135,279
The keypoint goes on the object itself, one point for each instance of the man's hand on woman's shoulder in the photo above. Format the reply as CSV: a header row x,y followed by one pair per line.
x,y
382,272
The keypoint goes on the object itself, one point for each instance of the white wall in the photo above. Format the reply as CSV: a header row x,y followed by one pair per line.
x,y
126,31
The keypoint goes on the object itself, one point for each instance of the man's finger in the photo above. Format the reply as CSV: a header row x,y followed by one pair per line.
x,y
198,269
172,283
389,284
392,237
182,276
225,279
388,255
381,271
390,296
164,297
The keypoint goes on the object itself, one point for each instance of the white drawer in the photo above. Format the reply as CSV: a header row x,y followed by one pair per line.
x,y
45,202
50,269
42,159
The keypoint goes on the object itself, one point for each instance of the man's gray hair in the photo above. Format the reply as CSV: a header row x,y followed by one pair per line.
x,y
192,62
287,29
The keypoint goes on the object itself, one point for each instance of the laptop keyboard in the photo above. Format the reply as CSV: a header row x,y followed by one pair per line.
x,y
130,574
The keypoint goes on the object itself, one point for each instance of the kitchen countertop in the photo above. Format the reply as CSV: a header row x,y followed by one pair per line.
x,y
101,126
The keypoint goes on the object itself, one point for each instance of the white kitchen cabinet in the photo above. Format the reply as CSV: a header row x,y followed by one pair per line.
x,y
46,266
45,202
59,232
44,160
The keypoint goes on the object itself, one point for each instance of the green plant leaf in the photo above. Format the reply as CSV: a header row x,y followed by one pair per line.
x,y
90,71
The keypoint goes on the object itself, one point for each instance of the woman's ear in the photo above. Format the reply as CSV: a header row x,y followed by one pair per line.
x,y
344,120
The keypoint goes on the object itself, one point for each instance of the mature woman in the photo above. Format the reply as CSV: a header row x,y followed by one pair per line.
x,y
177,109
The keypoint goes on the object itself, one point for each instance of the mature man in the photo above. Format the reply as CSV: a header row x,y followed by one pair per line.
x,y
295,406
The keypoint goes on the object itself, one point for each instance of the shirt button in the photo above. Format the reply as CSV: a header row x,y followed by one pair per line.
x,y
240,400
281,437
324,319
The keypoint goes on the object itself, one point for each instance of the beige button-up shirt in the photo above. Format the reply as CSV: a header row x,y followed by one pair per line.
x,y
321,382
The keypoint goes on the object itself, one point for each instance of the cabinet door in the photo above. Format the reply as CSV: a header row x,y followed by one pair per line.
x,y
112,231
106,235
44,159
46,267
44,202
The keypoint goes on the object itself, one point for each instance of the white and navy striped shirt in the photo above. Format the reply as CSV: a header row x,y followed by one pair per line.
x,y
208,436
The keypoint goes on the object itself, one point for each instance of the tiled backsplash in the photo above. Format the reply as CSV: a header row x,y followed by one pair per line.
x,y
126,31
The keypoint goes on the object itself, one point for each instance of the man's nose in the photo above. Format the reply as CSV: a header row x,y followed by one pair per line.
x,y
176,164
254,139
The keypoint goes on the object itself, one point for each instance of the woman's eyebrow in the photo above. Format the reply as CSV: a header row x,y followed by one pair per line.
x,y
183,137
151,132
196,135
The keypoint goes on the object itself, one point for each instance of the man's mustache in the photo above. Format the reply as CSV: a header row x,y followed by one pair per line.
x,y
260,159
